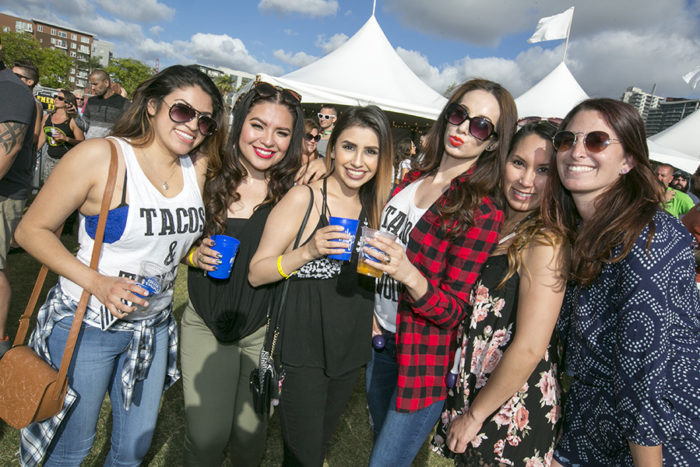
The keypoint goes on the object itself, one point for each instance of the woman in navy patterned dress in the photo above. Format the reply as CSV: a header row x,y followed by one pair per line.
x,y
631,314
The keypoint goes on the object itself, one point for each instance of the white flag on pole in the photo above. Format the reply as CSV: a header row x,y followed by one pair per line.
x,y
553,27
692,77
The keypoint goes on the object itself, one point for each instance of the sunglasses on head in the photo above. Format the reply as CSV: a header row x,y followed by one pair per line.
x,y
310,137
479,127
595,141
183,113
289,96
327,117
553,120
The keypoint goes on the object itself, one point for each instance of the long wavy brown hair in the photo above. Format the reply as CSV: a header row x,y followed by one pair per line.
x,y
532,228
225,175
622,211
457,213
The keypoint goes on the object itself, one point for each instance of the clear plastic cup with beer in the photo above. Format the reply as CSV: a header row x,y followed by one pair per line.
x,y
364,266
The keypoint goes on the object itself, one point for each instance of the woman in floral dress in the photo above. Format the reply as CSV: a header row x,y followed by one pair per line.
x,y
505,405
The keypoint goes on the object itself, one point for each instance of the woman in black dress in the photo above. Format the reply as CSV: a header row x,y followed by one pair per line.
x,y
505,405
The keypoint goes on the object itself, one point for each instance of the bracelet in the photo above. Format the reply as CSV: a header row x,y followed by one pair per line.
x,y
189,258
279,268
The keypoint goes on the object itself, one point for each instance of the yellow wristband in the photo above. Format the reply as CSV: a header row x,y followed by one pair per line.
x,y
279,268
189,258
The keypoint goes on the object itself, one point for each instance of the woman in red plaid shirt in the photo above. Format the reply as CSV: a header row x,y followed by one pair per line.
x,y
447,224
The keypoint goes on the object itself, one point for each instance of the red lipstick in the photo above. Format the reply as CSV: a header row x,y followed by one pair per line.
x,y
456,141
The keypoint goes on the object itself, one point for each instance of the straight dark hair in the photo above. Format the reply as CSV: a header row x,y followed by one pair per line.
x,y
457,213
622,211
225,174
374,193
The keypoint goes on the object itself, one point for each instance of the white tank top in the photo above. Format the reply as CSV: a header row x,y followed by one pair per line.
x,y
157,229
399,217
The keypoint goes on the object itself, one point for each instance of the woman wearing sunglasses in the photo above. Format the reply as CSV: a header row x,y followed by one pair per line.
x,y
504,406
447,224
311,139
61,132
631,315
327,318
155,215
223,325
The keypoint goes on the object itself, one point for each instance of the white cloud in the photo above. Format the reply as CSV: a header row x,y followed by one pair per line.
x,y
223,50
149,11
156,30
331,44
489,23
296,60
313,8
290,32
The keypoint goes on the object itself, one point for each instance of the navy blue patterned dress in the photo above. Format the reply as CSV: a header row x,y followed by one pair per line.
x,y
633,348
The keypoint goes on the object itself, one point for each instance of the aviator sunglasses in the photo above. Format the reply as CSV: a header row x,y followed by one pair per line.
x,y
479,127
183,113
595,141
310,137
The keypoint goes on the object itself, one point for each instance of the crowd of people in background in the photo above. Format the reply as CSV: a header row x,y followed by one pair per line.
x,y
523,260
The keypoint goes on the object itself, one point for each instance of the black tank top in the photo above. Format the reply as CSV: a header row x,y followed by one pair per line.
x,y
58,148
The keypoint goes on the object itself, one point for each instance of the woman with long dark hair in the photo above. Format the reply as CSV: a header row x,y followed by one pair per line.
x,y
174,115
505,404
447,223
60,131
327,317
631,315
223,325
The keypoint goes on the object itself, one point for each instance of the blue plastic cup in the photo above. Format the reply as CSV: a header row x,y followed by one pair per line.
x,y
349,227
227,247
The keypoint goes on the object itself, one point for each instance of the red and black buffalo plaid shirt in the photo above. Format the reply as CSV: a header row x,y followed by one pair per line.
x,y
426,328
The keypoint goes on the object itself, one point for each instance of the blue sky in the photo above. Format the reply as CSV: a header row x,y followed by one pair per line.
x,y
614,43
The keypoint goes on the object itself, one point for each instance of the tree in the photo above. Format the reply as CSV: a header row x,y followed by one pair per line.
x,y
129,72
54,67
225,84
53,64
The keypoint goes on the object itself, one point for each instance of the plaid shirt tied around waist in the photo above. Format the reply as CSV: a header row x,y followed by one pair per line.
x,y
426,328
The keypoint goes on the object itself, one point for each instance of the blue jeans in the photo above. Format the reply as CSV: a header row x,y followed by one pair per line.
x,y
403,434
95,369
381,377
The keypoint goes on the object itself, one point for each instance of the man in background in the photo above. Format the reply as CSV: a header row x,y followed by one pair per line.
x,y
677,202
327,117
681,182
28,73
104,107
17,117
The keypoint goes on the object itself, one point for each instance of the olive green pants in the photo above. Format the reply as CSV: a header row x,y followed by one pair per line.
x,y
218,403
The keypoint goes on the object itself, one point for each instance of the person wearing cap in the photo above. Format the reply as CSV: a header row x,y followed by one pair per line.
x,y
677,203
681,182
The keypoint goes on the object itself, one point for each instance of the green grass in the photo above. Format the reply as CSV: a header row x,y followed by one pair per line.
x,y
352,441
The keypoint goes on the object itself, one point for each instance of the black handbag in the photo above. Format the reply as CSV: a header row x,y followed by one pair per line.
x,y
266,380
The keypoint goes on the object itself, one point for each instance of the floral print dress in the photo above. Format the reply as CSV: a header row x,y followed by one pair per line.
x,y
524,430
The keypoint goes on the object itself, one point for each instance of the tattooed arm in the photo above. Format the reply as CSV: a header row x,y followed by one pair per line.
x,y
12,136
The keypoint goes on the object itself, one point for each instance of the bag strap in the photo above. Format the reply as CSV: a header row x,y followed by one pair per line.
x,y
272,331
96,249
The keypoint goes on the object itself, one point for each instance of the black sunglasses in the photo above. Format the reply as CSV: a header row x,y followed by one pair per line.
x,y
264,89
553,120
22,76
310,137
60,98
595,141
183,113
479,127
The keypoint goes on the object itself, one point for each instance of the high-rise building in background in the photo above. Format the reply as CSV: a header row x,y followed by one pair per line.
x,y
659,112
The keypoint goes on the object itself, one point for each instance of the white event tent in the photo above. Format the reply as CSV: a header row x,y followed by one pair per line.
x,y
364,70
553,96
684,136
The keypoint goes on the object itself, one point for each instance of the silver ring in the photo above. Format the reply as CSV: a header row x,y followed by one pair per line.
x,y
387,260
